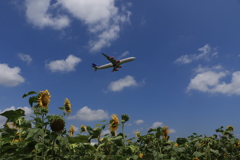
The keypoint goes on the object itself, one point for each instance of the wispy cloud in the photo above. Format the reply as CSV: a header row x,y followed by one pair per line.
x,y
124,54
88,114
103,19
105,132
140,121
25,57
66,65
160,124
10,77
122,83
172,130
206,52
209,80
156,124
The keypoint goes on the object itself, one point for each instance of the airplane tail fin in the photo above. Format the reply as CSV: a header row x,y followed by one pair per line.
x,y
95,66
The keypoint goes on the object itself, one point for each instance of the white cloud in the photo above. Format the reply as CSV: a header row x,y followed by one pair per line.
x,y
209,80
76,129
38,13
105,132
156,124
172,130
27,110
25,57
67,65
102,18
88,114
122,83
124,54
90,11
10,77
140,121
104,39
206,52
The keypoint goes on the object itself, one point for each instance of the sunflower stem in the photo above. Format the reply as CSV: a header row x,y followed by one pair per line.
x,y
53,144
123,133
97,150
43,135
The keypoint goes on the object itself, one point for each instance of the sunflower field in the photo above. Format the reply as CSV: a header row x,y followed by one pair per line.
x,y
44,137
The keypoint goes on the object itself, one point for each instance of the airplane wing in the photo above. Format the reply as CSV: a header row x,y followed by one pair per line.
x,y
114,68
111,59
115,63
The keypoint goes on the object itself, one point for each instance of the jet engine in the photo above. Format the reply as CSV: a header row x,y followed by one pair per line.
x,y
119,66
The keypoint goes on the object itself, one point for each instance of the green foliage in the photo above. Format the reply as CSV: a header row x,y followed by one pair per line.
x,y
34,139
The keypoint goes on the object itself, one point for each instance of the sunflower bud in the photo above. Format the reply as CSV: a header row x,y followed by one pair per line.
x,y
125,118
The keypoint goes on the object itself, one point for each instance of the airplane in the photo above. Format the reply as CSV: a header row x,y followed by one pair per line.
x,y
114,63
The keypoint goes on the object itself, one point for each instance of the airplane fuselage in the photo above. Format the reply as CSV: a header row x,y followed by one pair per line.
x,y
114,63
117,63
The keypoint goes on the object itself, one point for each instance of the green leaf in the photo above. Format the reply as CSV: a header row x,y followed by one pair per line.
x,y
61,108
151,130
39,146
98,125
180,149
29,93
134,148
13,115
32,100
96,133
181,141
159,132
79,139
62,140
197,154
90,130
214,151
35,133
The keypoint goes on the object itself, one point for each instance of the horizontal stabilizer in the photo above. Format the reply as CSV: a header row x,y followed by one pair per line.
x,y
95,66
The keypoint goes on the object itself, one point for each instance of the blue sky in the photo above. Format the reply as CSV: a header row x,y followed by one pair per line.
x,y
186,74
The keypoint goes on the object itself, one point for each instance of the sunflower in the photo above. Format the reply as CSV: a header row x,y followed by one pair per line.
x,y
165,132
114,123
83,128
57,125
137,134
140,155
230,128
71,131
44,98
67,106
